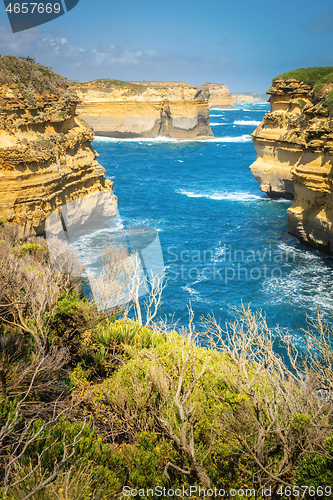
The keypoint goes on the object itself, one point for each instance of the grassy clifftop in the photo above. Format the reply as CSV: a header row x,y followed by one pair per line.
x,y
109,83
316,77
22,73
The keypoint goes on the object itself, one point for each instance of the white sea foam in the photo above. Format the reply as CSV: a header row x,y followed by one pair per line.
x,y
246,122
241,138
223,110
237,196
217,123
99,138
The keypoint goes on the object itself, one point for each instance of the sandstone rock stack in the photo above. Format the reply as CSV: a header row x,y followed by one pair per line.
x,y
219,96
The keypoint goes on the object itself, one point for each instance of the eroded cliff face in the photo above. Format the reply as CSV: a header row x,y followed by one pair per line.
x,y
134,110
294,145
219,96
46,159
248,98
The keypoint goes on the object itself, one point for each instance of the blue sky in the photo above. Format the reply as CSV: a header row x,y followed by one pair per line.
x,y
243,44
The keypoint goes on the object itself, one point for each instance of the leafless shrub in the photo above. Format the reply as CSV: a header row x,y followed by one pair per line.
x,y
289,412
122,283
18,433
71,484
177,409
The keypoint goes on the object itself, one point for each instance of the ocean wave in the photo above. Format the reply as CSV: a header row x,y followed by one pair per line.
x,y
99,138
240,138
237,196
227,109
217,123
160,140
246,122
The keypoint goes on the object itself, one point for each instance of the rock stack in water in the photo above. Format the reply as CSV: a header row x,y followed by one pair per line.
x,y
294,145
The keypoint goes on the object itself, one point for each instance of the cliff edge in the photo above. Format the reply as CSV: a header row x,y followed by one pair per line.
x,y
294,145
144,109
46,159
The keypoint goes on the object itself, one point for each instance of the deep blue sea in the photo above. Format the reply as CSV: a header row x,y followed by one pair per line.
x,y
223,241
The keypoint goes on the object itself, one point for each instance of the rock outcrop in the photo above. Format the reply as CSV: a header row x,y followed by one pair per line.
x,y
248,98
219,96
46,159
126,110
294,145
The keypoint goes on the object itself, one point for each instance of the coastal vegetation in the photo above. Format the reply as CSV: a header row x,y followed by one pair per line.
x,y
92,402
30,76
109,83
314,76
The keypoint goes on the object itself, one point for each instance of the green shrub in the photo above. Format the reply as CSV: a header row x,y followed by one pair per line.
x,y
311,76
30,248
89,451
316,469
328,102
72,316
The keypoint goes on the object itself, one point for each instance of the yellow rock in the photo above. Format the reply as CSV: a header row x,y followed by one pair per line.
x,y
46,159
294,145
152,109
219,96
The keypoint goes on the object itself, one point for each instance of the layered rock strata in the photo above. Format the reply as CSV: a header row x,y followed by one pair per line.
x,y
46,159
132,110
294,145
219,96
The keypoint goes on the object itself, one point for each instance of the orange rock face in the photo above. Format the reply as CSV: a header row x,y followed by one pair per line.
x,y
46,159
124,109
294,145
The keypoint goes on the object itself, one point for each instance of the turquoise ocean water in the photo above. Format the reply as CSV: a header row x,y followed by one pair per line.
x,y
223,241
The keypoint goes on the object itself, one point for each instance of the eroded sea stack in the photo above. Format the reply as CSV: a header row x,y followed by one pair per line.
x,y
294,145
128,110
46,159
219,96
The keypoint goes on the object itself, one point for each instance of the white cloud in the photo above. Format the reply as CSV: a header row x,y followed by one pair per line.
x,y
120,60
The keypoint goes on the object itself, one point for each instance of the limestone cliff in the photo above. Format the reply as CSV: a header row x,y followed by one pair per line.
x,y
294,145
219,96
124,109
46,159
